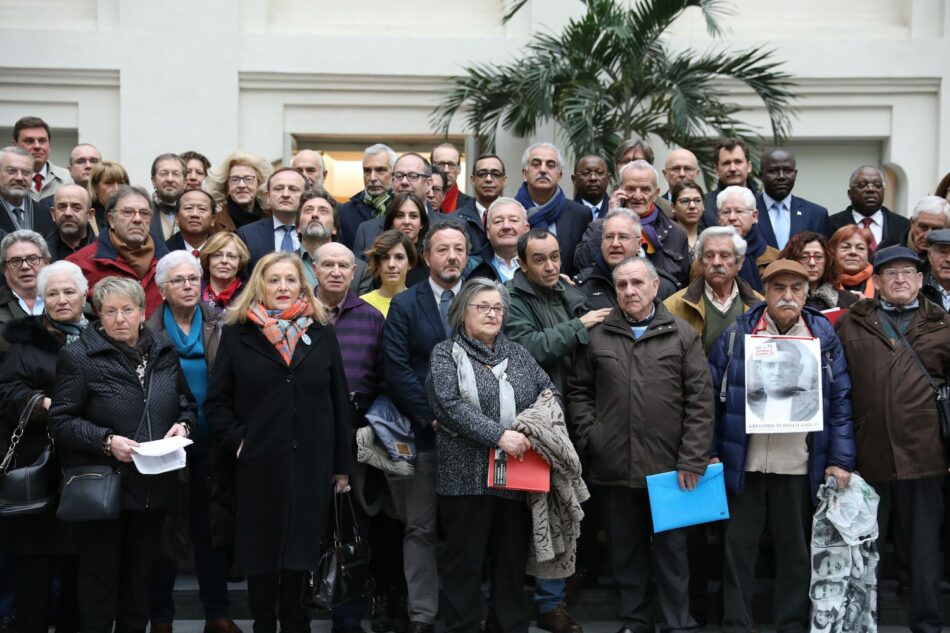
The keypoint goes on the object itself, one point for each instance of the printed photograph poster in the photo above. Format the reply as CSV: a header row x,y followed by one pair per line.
x,y
783,384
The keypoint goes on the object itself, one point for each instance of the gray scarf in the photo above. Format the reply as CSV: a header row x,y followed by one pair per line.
x,y
469,390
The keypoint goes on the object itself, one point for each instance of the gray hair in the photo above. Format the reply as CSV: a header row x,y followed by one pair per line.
x,y
639,165
527,154
109,286
379,148
744,194
503,201
623,212
66,268
127,191
471,288
651,269
24,235
854,175
16,150
173,260
932,204
316,253
444,225
739,245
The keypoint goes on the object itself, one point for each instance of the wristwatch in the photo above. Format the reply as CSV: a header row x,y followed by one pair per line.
x,y
107,444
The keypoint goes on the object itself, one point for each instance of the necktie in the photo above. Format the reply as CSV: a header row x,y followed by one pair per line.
x,y
38,182
867,222
287,244
196,253
444,304
19,213
781,226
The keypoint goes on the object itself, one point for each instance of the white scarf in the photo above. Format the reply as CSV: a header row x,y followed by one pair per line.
x,y
469,390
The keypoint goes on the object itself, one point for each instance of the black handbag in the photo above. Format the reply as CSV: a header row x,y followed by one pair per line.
x,y
26,489
90,493
941,391
343,573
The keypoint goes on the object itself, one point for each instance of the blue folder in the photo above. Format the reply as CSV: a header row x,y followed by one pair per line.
x,y
674,508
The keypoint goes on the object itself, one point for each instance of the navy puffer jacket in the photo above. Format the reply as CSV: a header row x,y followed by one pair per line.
x,y
834,446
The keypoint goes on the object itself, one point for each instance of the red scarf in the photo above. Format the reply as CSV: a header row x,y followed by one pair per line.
x,y
857,279
283,328
451,199
223,298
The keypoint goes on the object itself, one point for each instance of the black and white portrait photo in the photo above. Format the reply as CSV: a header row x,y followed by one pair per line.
x,y
783,386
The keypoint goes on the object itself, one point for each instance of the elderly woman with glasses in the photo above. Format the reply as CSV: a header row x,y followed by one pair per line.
x,y
23,254
812,251
40,542
851,246
239,185
478,382
223,259
194,330
117,386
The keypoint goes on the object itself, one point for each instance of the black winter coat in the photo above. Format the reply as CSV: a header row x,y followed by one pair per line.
x,y
98,394
294,423
30,367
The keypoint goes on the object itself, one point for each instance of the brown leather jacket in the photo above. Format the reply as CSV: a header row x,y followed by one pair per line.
x,y
641,406
895,417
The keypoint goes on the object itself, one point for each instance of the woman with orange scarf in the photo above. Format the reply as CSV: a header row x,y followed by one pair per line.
x,y
851,246
278,403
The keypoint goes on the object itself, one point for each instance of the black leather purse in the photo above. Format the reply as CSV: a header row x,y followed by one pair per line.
x,y
26,489
90,493
343,573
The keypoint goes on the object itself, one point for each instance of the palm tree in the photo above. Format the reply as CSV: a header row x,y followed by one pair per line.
x,y
609,75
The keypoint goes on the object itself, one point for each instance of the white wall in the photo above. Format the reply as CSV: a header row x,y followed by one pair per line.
x,y
139,77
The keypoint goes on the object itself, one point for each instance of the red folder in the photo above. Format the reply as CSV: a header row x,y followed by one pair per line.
x,y
834,314
505,472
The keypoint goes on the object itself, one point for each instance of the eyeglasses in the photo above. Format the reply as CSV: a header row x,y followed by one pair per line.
x,y
864,184
818,258
31,260
894,273
484,308
165,174
619,237
111,314
482,174
413,176
688,201
178,282
731,212
128,213
247,180
445,164
231,257
593,173
13,171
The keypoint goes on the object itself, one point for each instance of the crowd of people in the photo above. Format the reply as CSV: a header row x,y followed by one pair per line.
x,y
246,309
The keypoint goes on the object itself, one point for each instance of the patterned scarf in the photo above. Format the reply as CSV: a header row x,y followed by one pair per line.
x,y
283,328
378,202
71,330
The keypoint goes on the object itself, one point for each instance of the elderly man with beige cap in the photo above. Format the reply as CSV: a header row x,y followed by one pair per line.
x,y
776,475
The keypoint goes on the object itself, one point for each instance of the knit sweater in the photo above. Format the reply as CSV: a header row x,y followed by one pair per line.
x,y
359,330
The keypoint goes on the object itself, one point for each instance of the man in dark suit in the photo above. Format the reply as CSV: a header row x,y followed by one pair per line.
x,y
417,321
194,217
378,163
168,179
548,208
782,215
19,210
447,158
278,232
733,167
488,183
866,192
590,179
680,166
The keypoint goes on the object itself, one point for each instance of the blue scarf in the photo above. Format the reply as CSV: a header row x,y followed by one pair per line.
x,y
191,356
646,225
542,217
756,246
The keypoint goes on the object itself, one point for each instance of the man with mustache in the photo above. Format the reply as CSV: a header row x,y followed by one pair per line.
x,y
902,454
505,222
318,223
776,474
378,163
547,206
168,178
71,209
712,302
937,281
126,249
417,322
866,192
932,213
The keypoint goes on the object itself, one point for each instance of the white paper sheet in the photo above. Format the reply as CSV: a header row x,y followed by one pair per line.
x,y
160,456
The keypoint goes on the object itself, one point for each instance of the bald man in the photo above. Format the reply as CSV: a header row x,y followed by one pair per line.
x,y
680,165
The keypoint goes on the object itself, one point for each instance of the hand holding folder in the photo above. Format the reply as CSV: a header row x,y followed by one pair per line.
x,y
506,472
674,508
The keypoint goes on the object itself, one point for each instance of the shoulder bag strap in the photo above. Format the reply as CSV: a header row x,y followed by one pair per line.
x,y
913,354
35,399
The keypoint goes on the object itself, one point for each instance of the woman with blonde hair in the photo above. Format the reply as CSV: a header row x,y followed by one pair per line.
x,y
105,178
223,259
239,184
278,401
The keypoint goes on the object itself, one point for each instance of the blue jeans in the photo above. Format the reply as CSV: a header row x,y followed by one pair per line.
x,y
549,594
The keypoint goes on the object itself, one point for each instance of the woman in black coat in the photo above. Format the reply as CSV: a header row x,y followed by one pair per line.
x,y
103,382
39,542
278,401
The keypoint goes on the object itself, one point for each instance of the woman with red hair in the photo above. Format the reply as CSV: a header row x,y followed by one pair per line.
x,y
851,246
